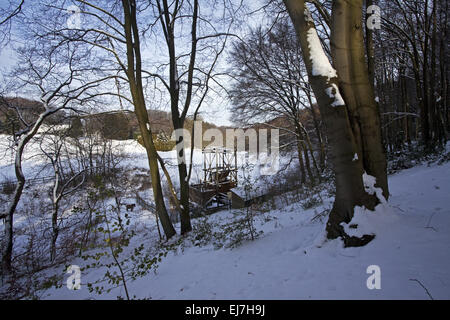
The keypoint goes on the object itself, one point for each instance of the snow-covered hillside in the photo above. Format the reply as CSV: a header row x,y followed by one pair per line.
x,y
291,260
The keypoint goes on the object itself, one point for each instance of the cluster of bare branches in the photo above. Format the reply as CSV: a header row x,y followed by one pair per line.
x,y
271,82
81,56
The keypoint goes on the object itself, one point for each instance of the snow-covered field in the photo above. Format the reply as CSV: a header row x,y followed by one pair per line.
x,y
291,259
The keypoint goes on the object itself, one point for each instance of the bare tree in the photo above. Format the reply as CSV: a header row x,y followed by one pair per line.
x,y
63,184
270,81
59,84
134,74
189,71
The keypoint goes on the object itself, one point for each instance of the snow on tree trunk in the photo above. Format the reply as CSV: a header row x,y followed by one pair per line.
x,y
350,190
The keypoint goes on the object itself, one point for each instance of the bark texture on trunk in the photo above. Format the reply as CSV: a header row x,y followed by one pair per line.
x,y
348,50
346,125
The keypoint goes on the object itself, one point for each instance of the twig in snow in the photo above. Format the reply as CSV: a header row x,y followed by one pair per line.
x,y
429,221
397,207
320,215
428,293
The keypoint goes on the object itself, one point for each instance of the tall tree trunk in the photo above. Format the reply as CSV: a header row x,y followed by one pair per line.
x,y
311,152
404,97
347,44
55,203
370,50
320,139
178,124
350,190
425,111
301,140
405,104
168,24
300,157
135,81
444,110
437,127
318,133
55,232
145,129
9,221
185,219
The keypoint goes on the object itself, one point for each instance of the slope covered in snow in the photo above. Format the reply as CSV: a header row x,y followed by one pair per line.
x,y
292,260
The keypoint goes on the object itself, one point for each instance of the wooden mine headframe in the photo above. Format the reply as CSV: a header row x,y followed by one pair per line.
x,y
219,176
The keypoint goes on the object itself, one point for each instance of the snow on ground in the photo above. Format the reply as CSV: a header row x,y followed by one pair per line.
x,y
36,165
291,260
34,208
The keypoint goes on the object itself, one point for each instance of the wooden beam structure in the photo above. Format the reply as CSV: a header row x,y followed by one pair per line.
x,y
219,176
